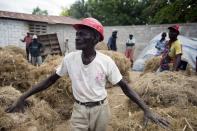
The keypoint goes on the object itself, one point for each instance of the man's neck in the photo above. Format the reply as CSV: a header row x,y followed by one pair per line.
x,y
173,39
88,56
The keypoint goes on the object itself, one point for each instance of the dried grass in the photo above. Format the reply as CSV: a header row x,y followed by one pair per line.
x,y
167,89
171,94
14,70
101,46
15,49
121,61
59,95
39,115
152,65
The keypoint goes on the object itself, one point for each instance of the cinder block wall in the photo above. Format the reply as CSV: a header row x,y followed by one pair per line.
x,y
144,33
11,31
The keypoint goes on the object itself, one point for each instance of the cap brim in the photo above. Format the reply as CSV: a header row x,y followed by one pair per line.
x,y
173,29
79,26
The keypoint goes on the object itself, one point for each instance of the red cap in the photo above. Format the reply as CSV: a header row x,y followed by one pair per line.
x,y
92,23
174,27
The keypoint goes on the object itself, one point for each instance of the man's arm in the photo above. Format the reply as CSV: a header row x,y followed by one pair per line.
x,y
157,45
23,40
147,113
18,105
109,44
133,95
177,62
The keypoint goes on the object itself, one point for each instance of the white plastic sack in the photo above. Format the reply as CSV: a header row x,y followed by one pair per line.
x,y
189,47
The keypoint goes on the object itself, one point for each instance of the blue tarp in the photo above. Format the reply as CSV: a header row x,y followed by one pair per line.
x,y
189,47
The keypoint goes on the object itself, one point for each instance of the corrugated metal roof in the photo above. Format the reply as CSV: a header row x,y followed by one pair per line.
x,y
38,18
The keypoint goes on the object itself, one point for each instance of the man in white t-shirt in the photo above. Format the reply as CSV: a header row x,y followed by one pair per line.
x,y
130,47
89,70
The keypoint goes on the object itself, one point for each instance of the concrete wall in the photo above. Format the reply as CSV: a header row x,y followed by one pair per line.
x,y
11,31
63,31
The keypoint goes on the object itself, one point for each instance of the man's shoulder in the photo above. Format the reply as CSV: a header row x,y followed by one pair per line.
x,y
72,54
176,43
103,57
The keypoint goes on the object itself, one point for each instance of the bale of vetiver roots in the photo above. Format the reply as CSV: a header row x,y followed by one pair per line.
x,y
101,46
14,70
167,88
15,49
59,95
152,64
178,118
121,61
171,94
37,116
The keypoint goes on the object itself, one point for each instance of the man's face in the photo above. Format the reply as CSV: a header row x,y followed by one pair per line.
x,y
114,34
84,39
172,34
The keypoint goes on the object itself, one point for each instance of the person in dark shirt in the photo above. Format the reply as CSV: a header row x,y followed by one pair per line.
x,y
112,41
34,48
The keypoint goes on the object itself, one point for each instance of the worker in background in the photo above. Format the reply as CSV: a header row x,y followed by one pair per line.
x,y
130,47
89,70
112,40
161,44
173,51
35,50
27,39
66,46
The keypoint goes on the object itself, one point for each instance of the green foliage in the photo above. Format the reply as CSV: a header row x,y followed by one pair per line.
x,y
65,12
38,11
179,11
78,9
129,12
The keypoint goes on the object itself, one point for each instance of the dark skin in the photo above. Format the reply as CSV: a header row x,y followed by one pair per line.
x,y
163,36
130,36
86,41
173,37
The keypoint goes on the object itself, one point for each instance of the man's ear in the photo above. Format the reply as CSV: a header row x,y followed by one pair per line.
x,y
96,39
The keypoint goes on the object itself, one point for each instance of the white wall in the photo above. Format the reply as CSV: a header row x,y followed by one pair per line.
x,y
11,31
63,31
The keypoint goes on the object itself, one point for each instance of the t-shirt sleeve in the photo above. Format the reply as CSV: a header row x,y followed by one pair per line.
x,y
62,68
134,40
114,75
178,49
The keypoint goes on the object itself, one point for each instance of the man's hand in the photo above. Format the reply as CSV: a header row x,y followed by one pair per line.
x,y
18,106
148,115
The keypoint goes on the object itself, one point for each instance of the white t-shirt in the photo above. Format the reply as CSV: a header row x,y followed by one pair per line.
x,y
88,81
131,40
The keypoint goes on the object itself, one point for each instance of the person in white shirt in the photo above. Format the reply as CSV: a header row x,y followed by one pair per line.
x,y
66,47
130,47
89,70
